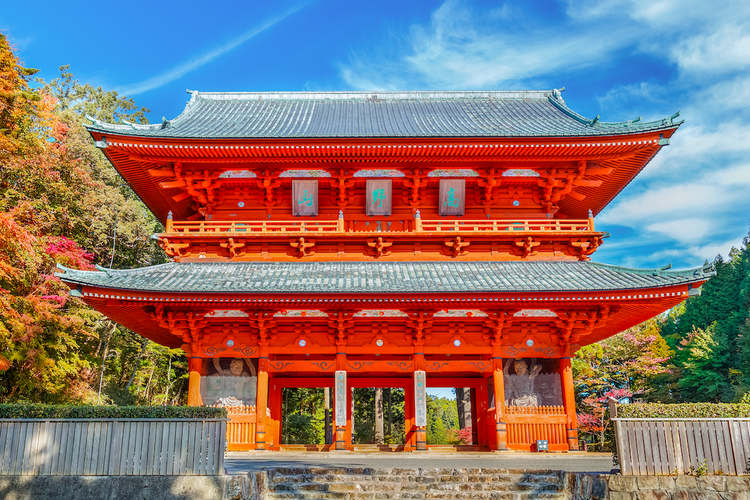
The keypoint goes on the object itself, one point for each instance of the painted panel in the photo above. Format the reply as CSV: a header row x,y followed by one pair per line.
x,y
305,197
339,399
379,200
420,398
452,196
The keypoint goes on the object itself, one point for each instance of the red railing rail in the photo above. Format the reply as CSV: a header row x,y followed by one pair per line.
x,y
340,226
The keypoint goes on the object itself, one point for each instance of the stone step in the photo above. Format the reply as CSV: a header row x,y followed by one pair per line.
x,y
352,484
416,495
540,474
531,480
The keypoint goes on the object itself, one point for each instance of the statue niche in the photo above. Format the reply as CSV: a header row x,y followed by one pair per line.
x,y
531,382
230,382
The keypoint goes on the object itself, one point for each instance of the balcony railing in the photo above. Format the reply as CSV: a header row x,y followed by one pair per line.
x,y
341,226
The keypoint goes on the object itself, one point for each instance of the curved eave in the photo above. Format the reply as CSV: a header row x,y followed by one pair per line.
x,y
626,155
361,278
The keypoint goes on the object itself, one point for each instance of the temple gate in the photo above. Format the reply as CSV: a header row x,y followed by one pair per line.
x,y
398,239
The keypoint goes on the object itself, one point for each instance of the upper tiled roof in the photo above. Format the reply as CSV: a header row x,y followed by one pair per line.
x,y
386,277
265,115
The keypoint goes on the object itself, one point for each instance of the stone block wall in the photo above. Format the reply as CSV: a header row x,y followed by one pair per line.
x,y
616,487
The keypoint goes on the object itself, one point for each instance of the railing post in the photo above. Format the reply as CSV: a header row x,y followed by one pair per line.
x,y
340,222
591,220
169,222
417,222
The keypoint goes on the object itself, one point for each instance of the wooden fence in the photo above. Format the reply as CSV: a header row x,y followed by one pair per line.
x,y
658,446
525,425
241,428
112,447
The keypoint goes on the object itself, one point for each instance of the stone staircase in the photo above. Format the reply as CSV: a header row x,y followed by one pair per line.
x,y
448,484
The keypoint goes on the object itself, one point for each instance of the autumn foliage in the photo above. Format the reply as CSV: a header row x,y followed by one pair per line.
x,y
55,197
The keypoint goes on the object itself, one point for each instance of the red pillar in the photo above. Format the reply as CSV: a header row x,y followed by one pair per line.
x,y
474,416
194,381
569,400
499,387
410,438
273,430
345,435
482,401
261,401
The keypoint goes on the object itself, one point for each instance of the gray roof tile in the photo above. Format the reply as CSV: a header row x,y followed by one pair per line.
x,y
385,277
379,114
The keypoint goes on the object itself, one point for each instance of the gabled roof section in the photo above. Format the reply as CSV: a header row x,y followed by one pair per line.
x,y
386,277
270,115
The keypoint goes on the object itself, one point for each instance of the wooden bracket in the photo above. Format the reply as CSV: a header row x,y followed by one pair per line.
x,y
527,246
174,249
456,246
379,246
304,247
233,246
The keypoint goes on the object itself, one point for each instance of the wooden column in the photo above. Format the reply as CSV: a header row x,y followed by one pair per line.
x,y
499,386
569,400
341,405
194,381
482,402
410,441
273,429
261,400
474,416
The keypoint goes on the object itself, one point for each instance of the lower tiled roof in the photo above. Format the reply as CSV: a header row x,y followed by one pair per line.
x,y
385,277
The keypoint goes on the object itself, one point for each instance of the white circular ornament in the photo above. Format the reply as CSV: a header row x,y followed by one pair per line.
x,y
302,342
379,343
457,343
529,342
230,343
241,204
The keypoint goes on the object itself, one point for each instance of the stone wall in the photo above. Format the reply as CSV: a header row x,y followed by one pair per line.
x,y
255,486
616,487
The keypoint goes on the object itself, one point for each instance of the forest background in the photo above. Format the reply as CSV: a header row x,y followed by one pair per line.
x,y
62,202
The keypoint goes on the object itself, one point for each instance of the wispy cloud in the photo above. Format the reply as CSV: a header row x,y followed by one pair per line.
x,y
203,59
692,201
462,48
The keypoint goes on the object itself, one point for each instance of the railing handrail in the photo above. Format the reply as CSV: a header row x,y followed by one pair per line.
x,y
338,226
535,410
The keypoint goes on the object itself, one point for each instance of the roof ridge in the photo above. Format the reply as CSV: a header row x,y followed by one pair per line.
x,y
372,94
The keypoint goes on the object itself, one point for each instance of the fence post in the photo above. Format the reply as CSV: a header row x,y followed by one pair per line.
x,y
340,222
417,222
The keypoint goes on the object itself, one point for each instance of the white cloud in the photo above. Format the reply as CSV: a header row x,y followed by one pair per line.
x,y
462,49
692,201
203,59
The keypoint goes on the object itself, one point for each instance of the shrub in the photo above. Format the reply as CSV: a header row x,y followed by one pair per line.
x,y
64,411
686,410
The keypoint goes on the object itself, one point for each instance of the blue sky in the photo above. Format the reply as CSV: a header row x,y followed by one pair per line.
x,y
617,58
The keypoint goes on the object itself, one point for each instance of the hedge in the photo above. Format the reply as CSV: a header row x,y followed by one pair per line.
x,y
65,411
685,410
